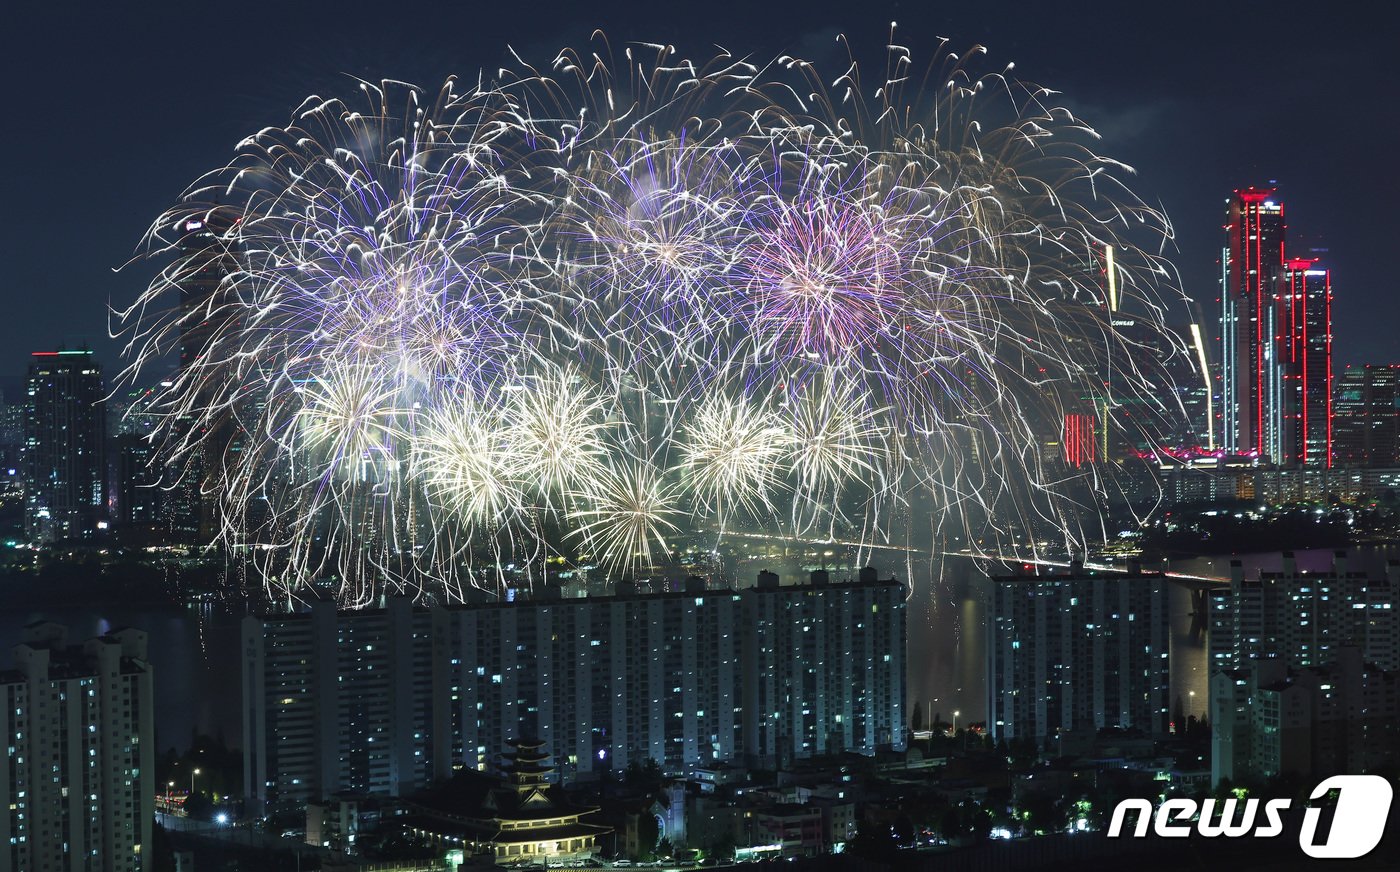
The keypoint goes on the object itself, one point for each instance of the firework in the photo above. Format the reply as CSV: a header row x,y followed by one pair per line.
x,y
600,307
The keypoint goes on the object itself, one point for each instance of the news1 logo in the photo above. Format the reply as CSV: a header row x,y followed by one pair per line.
x,y
1363,804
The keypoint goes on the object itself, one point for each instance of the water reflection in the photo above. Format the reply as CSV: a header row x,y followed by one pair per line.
x,y
947,627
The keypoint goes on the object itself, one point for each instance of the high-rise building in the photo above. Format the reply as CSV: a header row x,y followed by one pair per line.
x,y
1366,426
77,792
1305,355
823,668
65,435
1337,717
686,678
13,417
1276,339
336,702
603,681
208,309
210,257
1176,362
1080,444
1250,266
137,497
1301,617
1076,651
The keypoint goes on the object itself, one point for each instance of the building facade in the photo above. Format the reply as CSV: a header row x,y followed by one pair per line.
x,y
1333,718
1276,339
603,681
65,467
1251,263
336,703
823,668
1302,617
1075,651
79,725
1366,427
688,679
1305,354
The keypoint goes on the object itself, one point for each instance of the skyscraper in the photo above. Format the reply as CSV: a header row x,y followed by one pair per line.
x,y
210,256
1305,354
79,723
1251,264
136,481
207,309
1366,426
65,437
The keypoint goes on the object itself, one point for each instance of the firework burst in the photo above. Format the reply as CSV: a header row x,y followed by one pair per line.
x,y
607,306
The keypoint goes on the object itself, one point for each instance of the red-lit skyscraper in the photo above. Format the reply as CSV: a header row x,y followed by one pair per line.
x,y
1305,356
1276,339
1251,265
1079,440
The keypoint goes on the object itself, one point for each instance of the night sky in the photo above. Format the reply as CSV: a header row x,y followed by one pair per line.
x,y
112,110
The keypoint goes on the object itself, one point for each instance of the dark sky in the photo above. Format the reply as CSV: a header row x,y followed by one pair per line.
x,y
111,110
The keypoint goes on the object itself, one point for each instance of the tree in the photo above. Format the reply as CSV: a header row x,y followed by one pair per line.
x,y
721,847
874,842
644,775
1043,812
199,807
951,827
648,833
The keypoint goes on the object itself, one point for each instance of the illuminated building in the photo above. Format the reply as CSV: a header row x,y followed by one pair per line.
x,y
201,283
1085,649
336,702
65,436
382,701
519,818
823,668
603,681
687,678
1303,617
1079,441
79,723
1305,354
1251,264
1276,340
137,493
211,255
1366,422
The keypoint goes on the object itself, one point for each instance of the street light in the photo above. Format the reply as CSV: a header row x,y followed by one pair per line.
x,y
955,722
192,775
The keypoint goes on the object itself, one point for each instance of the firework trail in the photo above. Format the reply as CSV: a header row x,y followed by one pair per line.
x,y
593,307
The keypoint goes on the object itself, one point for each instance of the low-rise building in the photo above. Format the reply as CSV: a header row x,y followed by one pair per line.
x,y
520,818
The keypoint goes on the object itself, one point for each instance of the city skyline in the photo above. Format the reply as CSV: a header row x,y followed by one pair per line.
x,y
660,436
